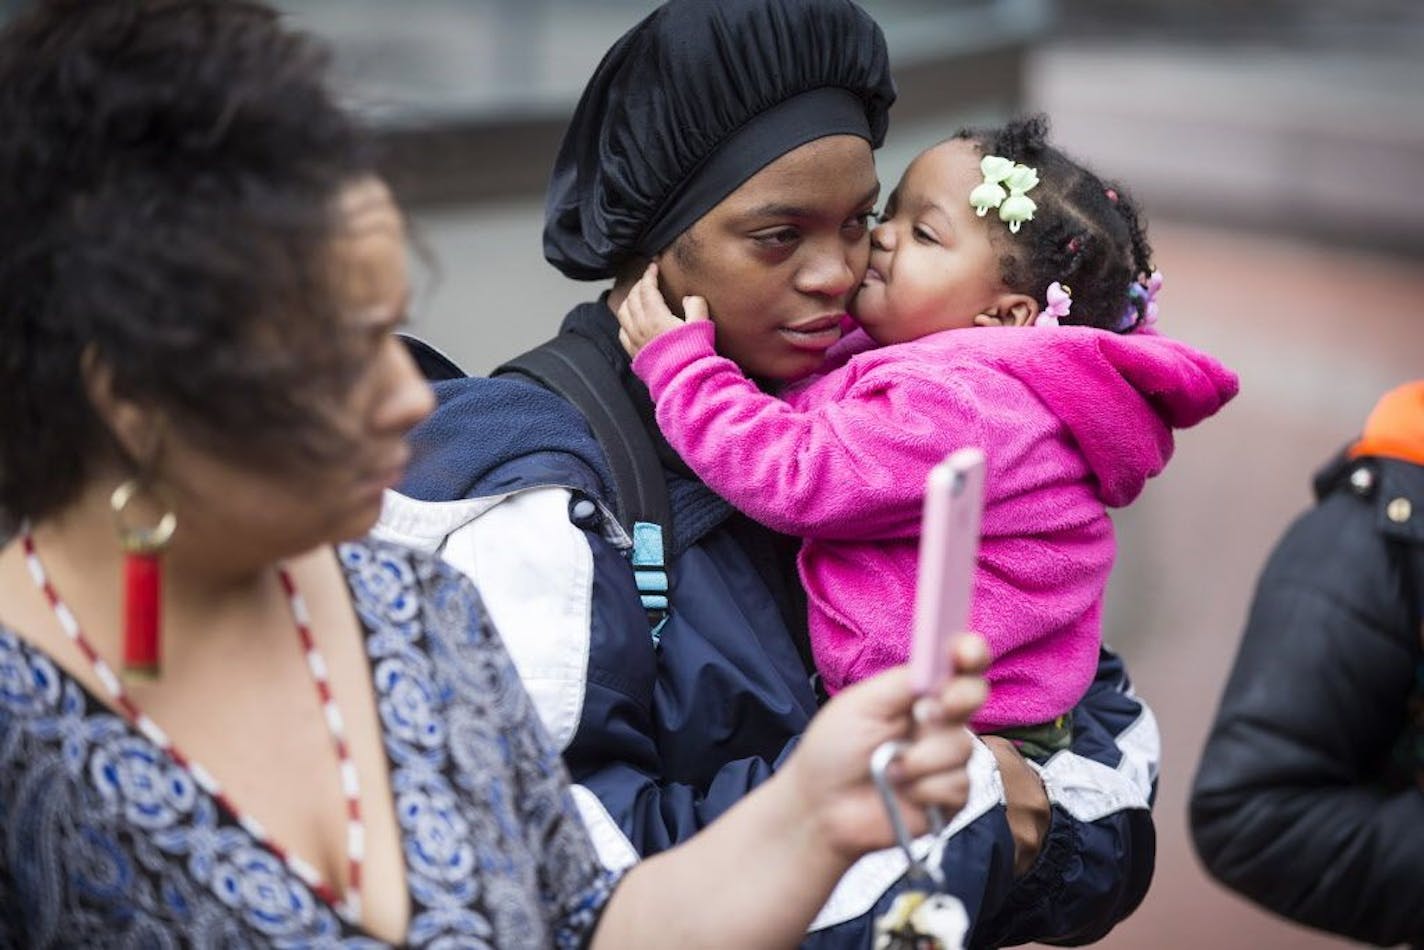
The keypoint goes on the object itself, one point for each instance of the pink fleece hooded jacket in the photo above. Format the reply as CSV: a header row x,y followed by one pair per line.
x,y
1073,421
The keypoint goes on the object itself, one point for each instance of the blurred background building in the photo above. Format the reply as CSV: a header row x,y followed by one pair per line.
x,y
1278,147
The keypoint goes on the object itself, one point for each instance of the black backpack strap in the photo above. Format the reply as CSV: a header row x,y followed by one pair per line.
x,y
573,367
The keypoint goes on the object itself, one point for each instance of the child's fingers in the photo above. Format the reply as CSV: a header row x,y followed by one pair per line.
x,y
647,287
637,304
630,330
654,315
694,309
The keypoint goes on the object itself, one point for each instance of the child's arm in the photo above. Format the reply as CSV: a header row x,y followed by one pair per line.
x,y
852,468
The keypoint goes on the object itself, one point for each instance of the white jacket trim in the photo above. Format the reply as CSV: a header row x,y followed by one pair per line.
x,y
534,571
1090,791
1141,747
614,849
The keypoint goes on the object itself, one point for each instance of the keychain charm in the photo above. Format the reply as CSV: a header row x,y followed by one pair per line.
x,y
922,917
920,921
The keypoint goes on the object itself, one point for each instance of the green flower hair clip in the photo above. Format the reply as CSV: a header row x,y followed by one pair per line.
x,y
1014,204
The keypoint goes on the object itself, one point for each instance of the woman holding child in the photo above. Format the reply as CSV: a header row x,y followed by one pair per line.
x,y
731,144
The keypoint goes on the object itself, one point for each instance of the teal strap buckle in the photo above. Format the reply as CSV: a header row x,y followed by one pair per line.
x,y
650,574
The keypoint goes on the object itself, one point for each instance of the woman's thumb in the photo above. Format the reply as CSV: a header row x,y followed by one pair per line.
x,y
695,309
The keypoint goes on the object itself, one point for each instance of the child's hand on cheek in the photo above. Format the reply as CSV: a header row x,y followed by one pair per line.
x,y
644,316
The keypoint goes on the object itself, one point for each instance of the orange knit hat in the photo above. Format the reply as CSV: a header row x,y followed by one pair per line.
x,y
1395,429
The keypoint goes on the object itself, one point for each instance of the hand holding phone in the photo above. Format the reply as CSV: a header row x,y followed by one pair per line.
x,y
949,544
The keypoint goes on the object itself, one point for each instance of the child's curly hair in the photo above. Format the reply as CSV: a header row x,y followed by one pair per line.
x,y
1086,233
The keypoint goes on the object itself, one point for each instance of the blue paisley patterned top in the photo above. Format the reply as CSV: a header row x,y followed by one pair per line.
x,y
106,841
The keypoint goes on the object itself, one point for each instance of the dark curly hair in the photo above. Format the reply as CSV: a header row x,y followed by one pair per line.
x,y
1086,234
168,179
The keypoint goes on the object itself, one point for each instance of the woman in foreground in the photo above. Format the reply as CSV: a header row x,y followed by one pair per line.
x,y
226,719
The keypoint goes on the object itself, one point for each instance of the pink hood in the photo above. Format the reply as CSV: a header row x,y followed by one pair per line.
x,y
1120,396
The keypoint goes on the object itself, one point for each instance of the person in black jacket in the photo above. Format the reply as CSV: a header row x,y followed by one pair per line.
x,y
1308,799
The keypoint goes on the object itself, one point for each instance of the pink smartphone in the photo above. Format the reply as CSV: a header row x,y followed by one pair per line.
x,y
949,543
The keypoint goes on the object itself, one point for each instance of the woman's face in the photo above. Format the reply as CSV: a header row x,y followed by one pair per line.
x,y
780,257
295,508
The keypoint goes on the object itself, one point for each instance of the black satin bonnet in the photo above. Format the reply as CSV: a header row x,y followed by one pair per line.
x,y
694,100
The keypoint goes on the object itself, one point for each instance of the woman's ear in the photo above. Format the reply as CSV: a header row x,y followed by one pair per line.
x,y
136,430
1010,310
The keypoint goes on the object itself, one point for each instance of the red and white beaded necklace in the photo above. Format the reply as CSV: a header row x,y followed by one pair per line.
x,y
350,908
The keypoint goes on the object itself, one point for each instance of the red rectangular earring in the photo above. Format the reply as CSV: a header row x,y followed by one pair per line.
x,y
143,584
